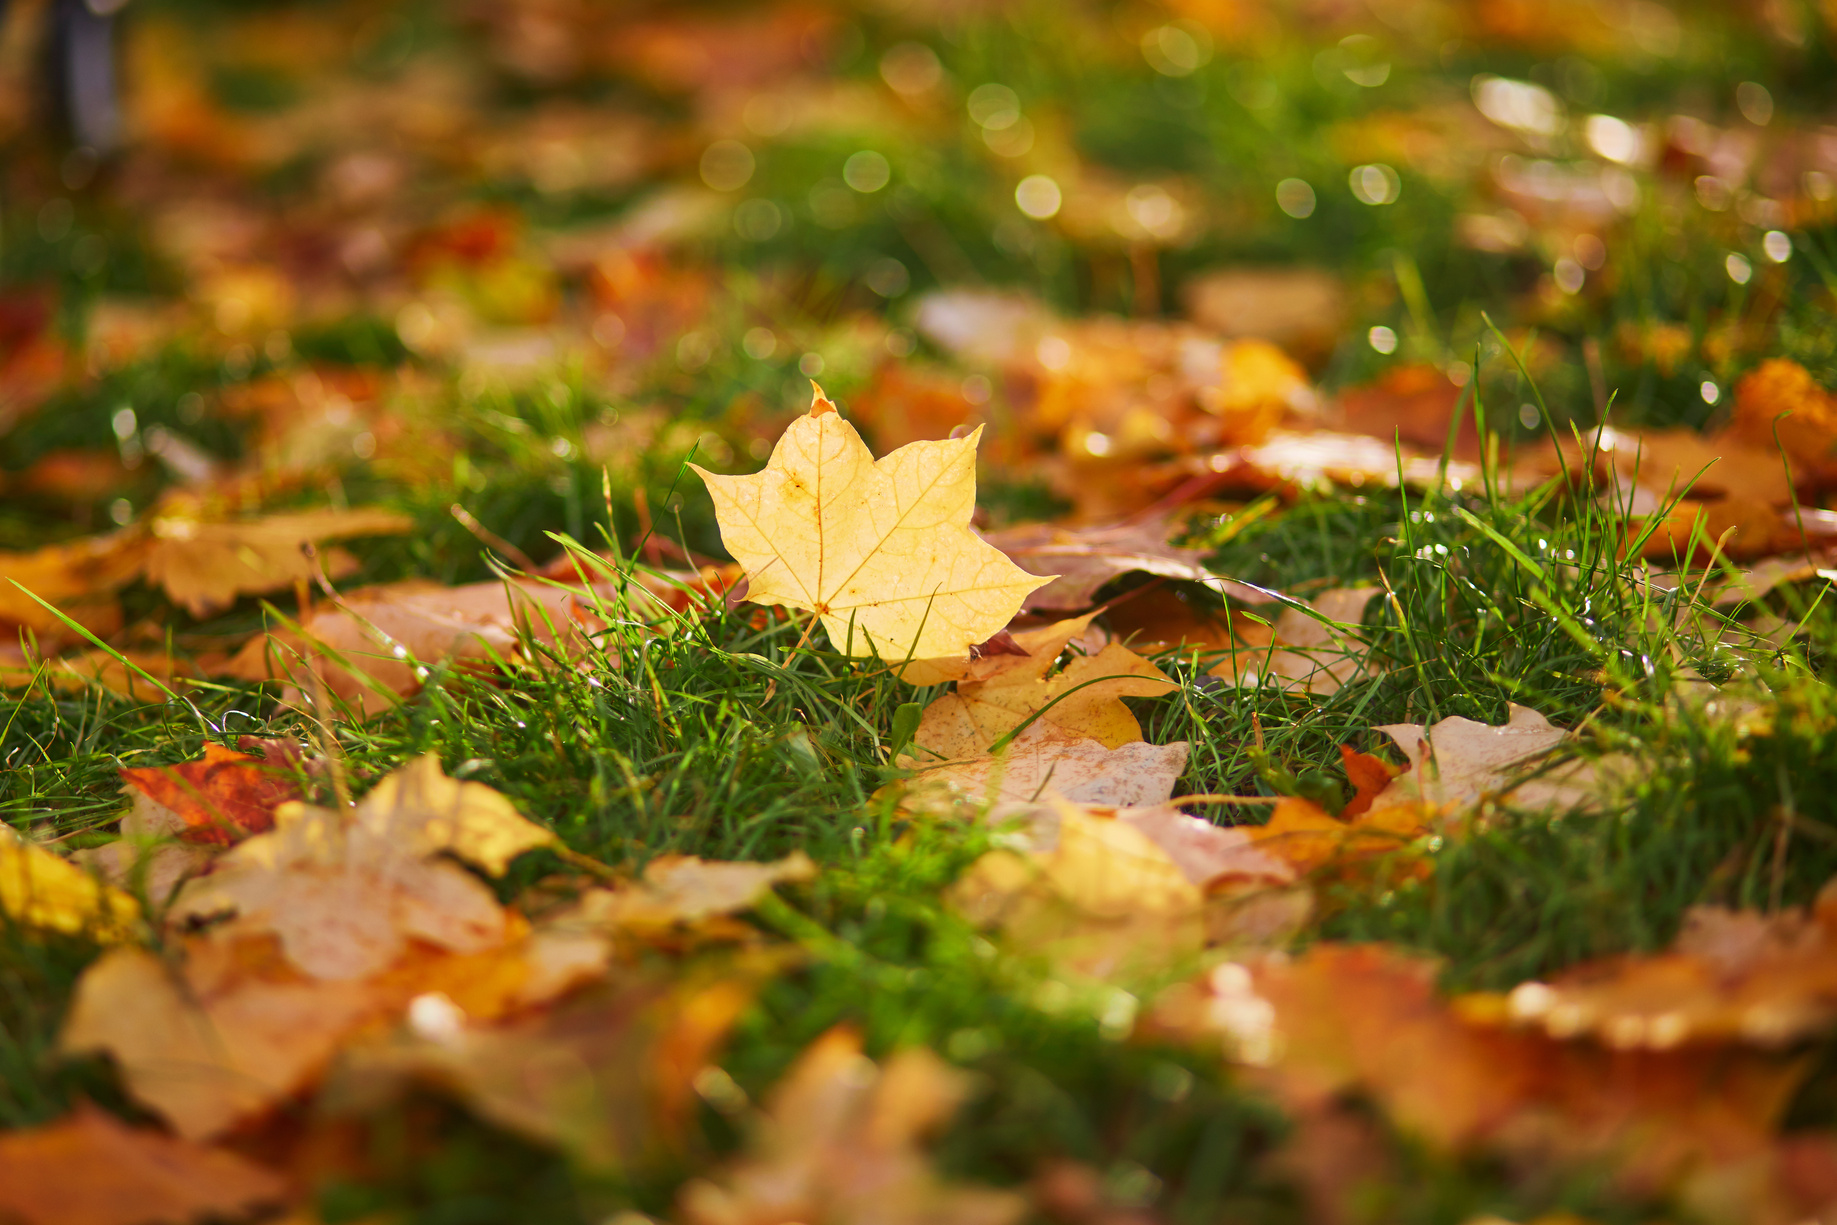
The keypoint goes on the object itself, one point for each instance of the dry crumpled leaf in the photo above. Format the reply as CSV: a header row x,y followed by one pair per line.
x,y
686,889
608,1076
77,671
1111,893
1730,976
1306,837
77,577
427,624
1366,1019
205,565
1086,558
840,1145
1457,763
880,550
229,1027
91,1169
344,894
152,854
997,693
1047,759
1302,653
40,890
202,1049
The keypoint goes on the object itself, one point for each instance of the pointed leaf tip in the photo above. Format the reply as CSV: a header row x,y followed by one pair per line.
x,y
819,403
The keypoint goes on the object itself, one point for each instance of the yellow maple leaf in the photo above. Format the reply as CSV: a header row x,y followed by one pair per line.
x,y
40,890
997,693
881,550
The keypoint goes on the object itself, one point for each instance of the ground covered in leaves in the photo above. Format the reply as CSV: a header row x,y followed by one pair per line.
x,y
1282,675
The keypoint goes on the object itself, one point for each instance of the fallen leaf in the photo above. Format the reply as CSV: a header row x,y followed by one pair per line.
x,y
91,1169
40,890
1366,1020
1300,309
381,640
1306,837
1458,763
880,550
203,1050
220,798
345,893
1305,653
77,577
152,856
1731,976
205,564
841,1144
607,1076
1084,559
685,889
1101,898
996,694
1045,759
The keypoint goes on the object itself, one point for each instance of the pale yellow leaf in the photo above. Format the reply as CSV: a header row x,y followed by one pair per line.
x,y
881,550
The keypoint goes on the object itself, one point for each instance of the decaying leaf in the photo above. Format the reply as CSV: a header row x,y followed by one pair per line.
x,y
685,889
380,641
90,1169
1306,837
1731,976
205,564
840,1145
1366,1019
345,893
881,550
997,693
1305,653
1114,893
1083,559
1457,763
38,889
206,1049
77,577
1046,759
608,1076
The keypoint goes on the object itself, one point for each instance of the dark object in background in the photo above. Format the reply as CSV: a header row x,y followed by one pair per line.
x,y
80,71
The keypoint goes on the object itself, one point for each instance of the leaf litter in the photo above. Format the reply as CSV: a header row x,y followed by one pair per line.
x,y
273,957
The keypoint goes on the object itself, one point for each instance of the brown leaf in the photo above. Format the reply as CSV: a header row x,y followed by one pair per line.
x,y
1458,763
1086,558
90,1169
205,1049
994,695
608,1076
685,889
345,893
1366,1019
1731,976
383,638
841,1145
205,564
1045,759
1303,653
78,578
